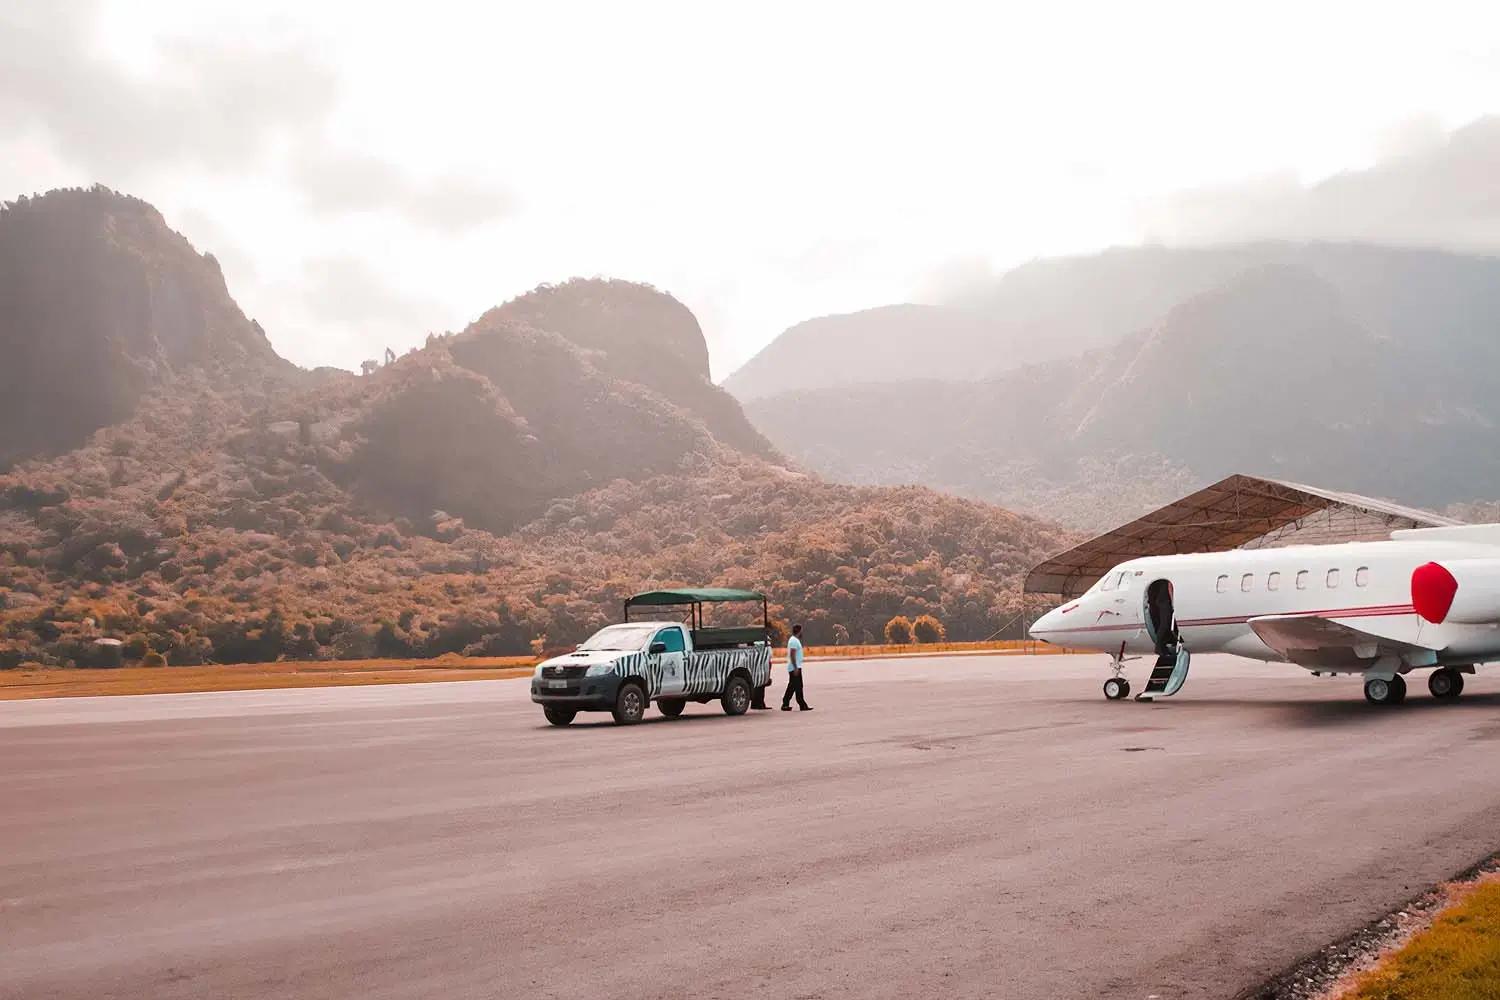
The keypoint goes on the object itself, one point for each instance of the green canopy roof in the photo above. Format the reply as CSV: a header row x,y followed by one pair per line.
x,y
693,595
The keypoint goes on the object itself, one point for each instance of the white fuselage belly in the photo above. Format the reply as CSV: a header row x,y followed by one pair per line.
x,y
1213,600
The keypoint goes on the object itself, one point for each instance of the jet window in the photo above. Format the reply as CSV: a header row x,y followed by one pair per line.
x,y
1109,582
1362,576
1273,581
1223,584
1302,579
1332,579
1125,580
1247,581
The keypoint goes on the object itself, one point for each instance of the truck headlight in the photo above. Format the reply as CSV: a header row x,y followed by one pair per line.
x,y
599,669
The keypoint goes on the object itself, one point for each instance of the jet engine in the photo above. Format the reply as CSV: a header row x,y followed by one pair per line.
x,y
1464,591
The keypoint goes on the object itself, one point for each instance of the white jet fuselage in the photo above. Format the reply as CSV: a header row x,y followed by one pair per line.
x,y
1216,600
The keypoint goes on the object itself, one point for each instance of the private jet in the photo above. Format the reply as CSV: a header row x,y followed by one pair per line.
x,y
1425,599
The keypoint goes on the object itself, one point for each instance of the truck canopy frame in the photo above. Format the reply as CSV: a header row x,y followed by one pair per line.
x,y
693,598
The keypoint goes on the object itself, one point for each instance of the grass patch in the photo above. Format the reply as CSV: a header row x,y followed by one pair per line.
x,y
1457,958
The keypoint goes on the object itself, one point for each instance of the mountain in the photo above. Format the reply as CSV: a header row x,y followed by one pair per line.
x,y
634,333
874,345
503,487
495,422
100,305
1377,372
1060,307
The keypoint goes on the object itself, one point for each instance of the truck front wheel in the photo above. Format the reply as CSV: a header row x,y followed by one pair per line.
x,y
558,715
630,704
736,700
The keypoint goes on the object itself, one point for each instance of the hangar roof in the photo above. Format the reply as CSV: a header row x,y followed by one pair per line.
x,y
1240,511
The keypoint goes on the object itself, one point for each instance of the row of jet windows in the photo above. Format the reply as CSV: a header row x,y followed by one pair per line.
x,y
1273,580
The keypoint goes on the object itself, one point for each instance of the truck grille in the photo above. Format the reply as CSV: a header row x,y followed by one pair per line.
x,y
567,671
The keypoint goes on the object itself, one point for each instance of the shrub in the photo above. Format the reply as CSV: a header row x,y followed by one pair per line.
x,y
840,635
928,629
153,659
898,631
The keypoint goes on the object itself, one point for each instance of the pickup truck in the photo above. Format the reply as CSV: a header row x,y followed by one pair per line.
x,y
622,668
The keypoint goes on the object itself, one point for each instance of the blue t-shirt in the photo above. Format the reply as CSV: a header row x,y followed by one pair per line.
x,y
794,653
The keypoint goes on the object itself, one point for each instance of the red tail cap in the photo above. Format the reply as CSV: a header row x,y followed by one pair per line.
x,y
1432,591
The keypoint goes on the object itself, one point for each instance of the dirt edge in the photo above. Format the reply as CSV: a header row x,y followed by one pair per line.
x,y
1316,975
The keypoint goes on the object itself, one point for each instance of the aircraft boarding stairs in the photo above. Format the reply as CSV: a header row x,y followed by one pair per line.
x,y
1170,673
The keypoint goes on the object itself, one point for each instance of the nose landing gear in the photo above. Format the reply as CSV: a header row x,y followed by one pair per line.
x,y
1117,687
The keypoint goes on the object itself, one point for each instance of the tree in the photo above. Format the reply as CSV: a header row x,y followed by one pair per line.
x,y
928,629
780,632
898,631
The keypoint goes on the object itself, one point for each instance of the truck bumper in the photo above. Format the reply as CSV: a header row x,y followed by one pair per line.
x,y
587,694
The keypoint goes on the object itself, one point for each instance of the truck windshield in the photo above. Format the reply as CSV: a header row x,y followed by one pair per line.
x,y
631,637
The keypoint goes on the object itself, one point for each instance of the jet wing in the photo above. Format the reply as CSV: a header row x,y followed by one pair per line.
x,y
1318,642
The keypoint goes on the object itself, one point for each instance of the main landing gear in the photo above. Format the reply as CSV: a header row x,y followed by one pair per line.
x,y
1445,683
1379,691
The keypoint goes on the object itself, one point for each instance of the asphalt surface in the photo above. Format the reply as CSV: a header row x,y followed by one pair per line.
x,y
954,827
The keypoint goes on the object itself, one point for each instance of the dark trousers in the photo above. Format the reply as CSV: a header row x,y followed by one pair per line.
x,y
793,687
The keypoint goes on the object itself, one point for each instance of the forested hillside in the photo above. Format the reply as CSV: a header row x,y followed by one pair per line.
x,y
502,487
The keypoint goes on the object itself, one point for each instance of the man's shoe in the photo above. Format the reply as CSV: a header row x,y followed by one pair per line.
x,y
761,708
807,708
786,708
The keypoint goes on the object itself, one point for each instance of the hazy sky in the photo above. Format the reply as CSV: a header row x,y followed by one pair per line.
x,y
367,174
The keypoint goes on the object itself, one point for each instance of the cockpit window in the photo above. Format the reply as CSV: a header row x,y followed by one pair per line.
x,y
1124,583
1109,582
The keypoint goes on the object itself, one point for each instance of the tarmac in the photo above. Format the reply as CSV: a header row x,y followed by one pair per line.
x,y
938,827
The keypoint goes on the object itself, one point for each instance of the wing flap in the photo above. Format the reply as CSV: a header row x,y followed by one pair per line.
x,y
1310,641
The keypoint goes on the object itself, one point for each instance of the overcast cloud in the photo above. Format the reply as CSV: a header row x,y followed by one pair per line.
x,y
335,183
207,103
1432,189
367,174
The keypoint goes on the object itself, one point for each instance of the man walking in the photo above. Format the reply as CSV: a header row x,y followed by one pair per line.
x,y
794,672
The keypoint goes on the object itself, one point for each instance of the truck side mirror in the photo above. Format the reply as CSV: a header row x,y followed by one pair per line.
x,y
658,648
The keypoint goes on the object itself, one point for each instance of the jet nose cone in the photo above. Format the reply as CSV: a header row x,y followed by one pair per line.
x,y
1044,625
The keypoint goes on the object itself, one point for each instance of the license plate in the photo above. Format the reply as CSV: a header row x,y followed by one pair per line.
x,y
557,684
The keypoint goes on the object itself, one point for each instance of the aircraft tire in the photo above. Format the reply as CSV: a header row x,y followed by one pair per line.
x,y
1445,684
1116,689
1381,692
1398,689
